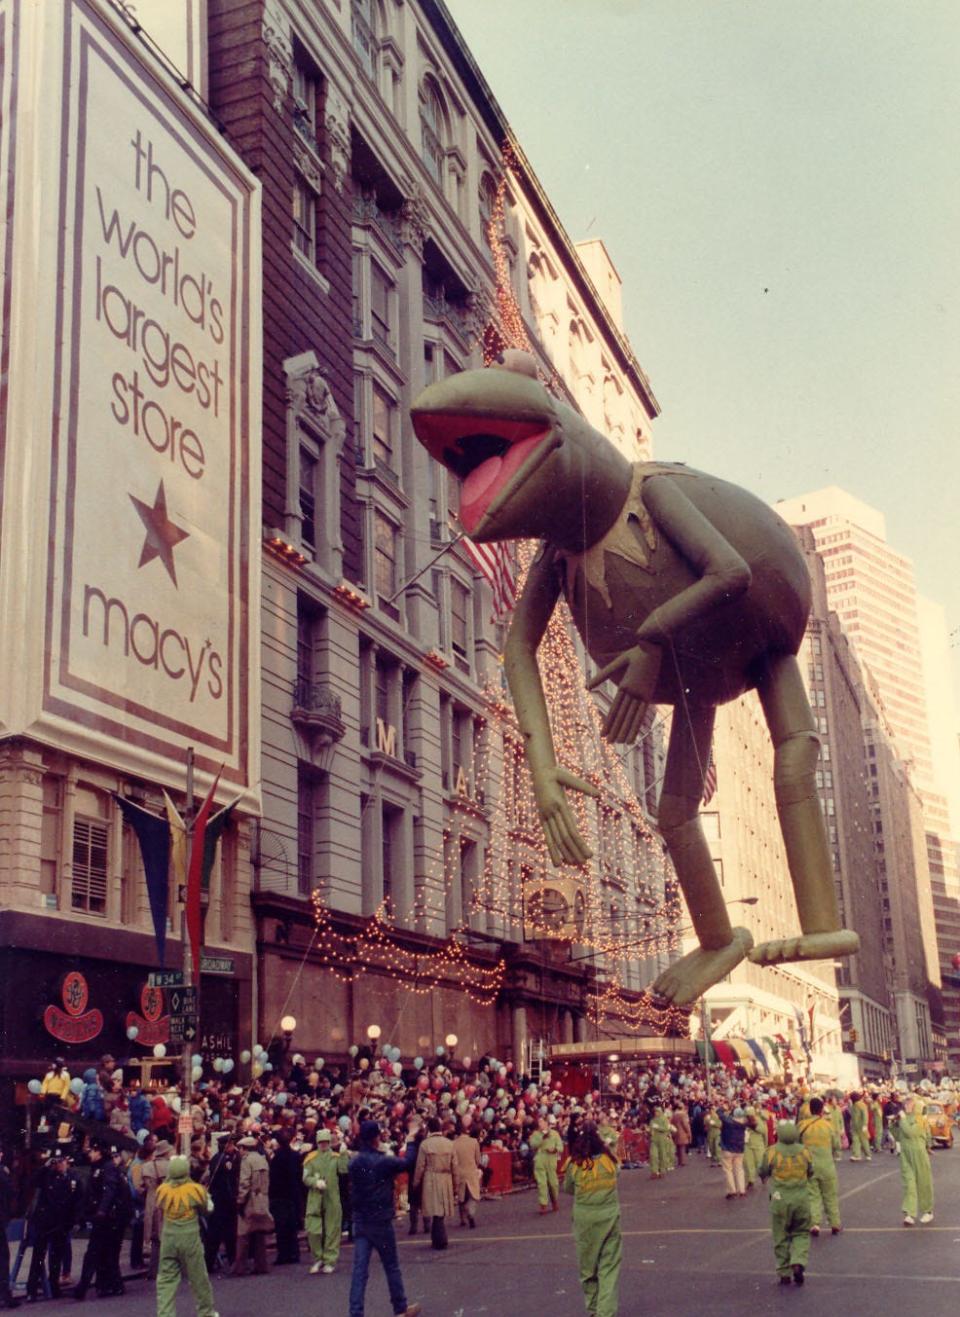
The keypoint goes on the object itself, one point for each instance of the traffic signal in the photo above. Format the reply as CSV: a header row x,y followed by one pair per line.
x,y
853,1035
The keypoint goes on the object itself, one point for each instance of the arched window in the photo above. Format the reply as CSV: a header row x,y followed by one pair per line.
x,y
433,129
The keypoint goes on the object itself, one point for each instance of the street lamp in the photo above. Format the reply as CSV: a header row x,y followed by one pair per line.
x,y
288,1024
373,1034
451,1041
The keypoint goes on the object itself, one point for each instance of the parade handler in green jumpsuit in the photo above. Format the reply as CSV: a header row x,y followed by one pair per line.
x,y
661,1145
913,1137
712,1122
180,1201
754,1145
821,1140
547,1146
324,1215
591,1177
788,1165
859,1136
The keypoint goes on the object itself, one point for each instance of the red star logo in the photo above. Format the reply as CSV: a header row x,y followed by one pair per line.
x,y
162,535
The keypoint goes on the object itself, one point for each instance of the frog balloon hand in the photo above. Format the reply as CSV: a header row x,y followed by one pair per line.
x,y
640,667
564,842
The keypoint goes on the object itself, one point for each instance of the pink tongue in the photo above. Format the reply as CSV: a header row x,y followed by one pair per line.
x,y
480,479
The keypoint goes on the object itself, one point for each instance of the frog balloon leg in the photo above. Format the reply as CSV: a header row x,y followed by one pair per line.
x,y
686,590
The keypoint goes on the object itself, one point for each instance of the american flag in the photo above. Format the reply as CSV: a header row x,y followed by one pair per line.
x,y
496,563
710,780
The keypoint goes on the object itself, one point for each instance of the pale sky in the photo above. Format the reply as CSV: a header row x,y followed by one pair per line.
x,y
778,185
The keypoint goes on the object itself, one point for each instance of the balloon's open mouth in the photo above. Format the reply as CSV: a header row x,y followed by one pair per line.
x,y
490,454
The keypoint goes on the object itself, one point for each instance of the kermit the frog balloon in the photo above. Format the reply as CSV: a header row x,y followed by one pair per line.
x,y
686,590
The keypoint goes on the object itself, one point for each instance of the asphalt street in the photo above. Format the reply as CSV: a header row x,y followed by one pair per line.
x,y
686,1250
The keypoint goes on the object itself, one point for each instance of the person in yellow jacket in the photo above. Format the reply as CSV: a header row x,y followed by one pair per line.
x,y
788,1166
324,1214
547,1146
180,1201
820,1139
591,1176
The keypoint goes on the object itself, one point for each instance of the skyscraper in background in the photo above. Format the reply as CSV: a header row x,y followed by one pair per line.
x,y
901,641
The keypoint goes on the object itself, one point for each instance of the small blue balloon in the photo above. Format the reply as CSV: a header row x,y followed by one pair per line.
x,y
344,1122
76,1086
418,1062
488,1115
441,1051
35,1087
142,1135
281,1100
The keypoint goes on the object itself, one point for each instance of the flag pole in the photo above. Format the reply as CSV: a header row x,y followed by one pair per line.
x,y
191,975
416,576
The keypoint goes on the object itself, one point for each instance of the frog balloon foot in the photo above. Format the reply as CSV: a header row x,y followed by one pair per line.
x,y
681,984
807,946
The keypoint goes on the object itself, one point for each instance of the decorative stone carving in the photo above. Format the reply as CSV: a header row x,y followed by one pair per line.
x,y
279,59
307,164
309,393
415,220
336,121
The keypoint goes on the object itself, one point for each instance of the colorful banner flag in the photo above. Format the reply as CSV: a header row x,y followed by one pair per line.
x,y
195,878
153,834
178,842
211,837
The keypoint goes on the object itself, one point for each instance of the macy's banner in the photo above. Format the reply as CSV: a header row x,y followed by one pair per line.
x,y
131,341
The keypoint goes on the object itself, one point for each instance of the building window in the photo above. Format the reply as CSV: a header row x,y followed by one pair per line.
x,y
384,414
459,624
432,130
384,557
305,834
488,203
392,853
309,477
306,97
364,30
305,219
90,854
381,290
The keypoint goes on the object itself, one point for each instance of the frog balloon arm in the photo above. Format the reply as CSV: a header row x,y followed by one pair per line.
x,y
723,573
527,628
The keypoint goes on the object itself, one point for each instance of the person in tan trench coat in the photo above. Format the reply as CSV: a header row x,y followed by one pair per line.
x,y
436,1171
467,1152
254,1221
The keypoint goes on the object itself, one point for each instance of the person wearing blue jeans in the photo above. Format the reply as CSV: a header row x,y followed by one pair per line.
x,y
372,1174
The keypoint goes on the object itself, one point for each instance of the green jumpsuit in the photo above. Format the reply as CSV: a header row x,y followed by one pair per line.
x,y
859,1138
712,1122
754,1146
835,1117
181,1200
877,1111
820,1139
596,1230
324,1214
661,1145
788,1165
547,1147
912,1135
